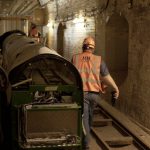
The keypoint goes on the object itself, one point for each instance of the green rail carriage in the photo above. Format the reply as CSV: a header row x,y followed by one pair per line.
x,y
45,96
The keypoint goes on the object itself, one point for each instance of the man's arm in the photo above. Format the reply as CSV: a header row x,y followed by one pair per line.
x,y
109,81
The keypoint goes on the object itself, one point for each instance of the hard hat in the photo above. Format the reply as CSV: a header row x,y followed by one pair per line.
x,y
89,41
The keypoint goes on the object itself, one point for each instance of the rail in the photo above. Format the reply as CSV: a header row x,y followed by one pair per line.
x,y
114,131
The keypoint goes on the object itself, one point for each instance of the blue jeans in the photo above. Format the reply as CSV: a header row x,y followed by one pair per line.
x,y
89,99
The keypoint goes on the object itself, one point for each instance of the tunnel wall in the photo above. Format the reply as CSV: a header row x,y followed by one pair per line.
x,y
135,85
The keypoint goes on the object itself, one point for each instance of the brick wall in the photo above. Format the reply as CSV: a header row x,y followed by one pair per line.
x,y
75,34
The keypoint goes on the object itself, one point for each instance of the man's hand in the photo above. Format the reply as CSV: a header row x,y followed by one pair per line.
x,y
109,81
116,94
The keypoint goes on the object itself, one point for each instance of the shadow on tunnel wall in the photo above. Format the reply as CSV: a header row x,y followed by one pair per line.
x,y
117,34
60,38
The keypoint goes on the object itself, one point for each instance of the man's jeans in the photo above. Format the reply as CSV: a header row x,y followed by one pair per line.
x,y
89,100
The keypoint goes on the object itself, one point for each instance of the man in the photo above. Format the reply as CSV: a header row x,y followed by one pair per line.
x,y
93,72
34,33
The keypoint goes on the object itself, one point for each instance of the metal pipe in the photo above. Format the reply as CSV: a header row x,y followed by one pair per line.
x,y
22,82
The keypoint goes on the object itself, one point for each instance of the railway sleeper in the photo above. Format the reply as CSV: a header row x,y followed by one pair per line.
x,y
102,122
113,142
120,141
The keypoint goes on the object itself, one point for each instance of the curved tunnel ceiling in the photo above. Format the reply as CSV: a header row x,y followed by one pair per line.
x,y
17,7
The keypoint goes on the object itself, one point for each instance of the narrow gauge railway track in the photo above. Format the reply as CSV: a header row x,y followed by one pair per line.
x,y
114,131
